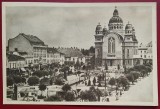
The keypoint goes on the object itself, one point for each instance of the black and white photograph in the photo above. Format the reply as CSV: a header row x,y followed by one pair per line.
x,y
79,53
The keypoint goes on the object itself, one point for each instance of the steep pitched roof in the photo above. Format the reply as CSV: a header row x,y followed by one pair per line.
x,y
34,40
12,57
71,52
53,50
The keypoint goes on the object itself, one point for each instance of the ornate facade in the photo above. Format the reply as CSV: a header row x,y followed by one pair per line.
x,y
115,45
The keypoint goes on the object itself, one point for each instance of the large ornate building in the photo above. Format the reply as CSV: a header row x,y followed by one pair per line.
x,y
116,45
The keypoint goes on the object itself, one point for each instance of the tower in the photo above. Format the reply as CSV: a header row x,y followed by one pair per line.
x,y
130,45
98,44
116,23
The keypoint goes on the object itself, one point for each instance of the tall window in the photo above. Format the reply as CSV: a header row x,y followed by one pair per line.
x,y
127,52
111,45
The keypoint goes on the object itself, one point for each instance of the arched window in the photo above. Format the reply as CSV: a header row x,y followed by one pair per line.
x,y
111,45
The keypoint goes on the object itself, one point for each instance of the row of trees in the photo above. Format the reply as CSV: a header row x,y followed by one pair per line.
x,y
132,75
87,51
88,95
15,80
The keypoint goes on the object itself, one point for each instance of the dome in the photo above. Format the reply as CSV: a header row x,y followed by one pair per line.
x,y
99,27
133,29
115,13
129,27
104,29
116,18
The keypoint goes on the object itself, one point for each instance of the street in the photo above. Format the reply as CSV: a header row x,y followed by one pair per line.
x,y
142,91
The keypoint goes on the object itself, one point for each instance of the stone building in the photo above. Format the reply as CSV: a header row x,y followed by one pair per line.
x,y
32,45
54,56
14,61
72,55
116,46
145,52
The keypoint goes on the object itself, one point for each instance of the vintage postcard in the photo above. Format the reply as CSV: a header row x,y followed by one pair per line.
x,y
79,53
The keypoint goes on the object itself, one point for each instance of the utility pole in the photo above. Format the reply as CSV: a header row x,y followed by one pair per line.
x,y
123,50
106,68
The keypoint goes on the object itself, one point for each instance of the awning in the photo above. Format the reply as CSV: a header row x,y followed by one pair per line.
x,y
23,69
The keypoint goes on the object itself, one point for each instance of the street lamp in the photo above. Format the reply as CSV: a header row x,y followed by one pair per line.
x,y
106,68
123,50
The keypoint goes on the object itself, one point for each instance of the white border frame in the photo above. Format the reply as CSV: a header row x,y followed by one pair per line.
x,y
37,4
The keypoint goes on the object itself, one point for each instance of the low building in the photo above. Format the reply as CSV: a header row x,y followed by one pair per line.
x,y
54,56
28,58
15,61
145,52
72,55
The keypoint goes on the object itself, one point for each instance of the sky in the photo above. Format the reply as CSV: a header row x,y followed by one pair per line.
x,y
74,26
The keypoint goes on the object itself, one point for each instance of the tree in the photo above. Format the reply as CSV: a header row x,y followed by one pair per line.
x,y
45,81
99,93
123,81
135,74
112,81
40,73
66,88
9,81
78,72
17,79
33,80
69,96
23,80
130,77
92,49
88,95
42,88
59,81
53,98
96,93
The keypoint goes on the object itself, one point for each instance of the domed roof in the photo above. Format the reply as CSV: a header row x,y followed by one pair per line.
x,y
99,27
115,13
133,29
129,27
115,18
104,29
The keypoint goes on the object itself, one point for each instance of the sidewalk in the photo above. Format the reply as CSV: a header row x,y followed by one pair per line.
x,y
141,91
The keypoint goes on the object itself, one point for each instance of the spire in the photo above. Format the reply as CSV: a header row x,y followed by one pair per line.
x,y
115,13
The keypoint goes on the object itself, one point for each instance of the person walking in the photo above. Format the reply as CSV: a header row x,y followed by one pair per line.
x,y
117,97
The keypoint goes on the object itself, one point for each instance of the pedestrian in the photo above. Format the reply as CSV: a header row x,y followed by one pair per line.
x,y
120,93
85,83
107,99
94,81
117,98
110,94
